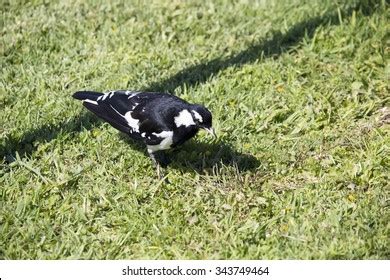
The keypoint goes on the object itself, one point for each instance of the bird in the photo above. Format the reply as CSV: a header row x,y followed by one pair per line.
x,y
160,120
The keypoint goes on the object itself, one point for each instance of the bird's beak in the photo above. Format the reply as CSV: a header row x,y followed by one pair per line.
x,y
211,131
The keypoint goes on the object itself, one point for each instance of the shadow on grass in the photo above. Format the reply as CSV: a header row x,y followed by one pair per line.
x,y
206,156
26,144
277,44
30,140
199,156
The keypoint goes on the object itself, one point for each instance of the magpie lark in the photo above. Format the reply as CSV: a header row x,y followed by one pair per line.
x,y
160,120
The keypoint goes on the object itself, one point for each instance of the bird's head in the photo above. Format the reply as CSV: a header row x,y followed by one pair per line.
x,y
203,118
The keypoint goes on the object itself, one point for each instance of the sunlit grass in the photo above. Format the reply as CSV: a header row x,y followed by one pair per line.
x,y
299,91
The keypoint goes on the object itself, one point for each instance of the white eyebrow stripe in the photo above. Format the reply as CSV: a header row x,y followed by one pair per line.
x,y
197,116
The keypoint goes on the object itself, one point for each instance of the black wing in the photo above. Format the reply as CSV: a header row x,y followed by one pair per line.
x,y
108,108
105,112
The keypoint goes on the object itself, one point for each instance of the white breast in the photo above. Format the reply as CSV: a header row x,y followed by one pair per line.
x,y
165,144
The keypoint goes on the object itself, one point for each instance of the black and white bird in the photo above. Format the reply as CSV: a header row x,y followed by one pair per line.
x,y
160,120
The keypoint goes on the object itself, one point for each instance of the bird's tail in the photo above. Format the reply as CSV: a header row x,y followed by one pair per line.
x,y
87,95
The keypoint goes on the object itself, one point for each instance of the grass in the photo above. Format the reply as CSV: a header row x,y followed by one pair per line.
x,y
299,91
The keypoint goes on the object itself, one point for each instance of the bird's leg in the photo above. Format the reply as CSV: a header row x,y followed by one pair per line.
x,y
158,171
156,163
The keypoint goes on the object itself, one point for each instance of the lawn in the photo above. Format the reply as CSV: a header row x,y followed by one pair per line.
x,y
299,92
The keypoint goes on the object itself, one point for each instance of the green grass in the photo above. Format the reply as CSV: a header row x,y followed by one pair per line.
x,y
299,91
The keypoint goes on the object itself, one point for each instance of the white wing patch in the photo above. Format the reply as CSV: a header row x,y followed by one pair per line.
x,y
90,101
108,94
184,118
111,93
197,116
131,94
133,123
165,144
105,95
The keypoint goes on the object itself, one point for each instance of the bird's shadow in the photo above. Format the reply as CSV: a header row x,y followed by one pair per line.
x,y
200,157
28,143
